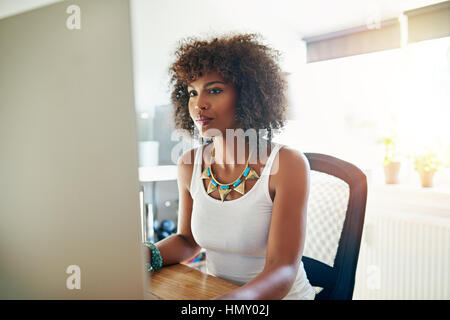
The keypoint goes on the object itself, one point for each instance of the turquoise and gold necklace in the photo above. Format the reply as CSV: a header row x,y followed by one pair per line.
x,y
225,188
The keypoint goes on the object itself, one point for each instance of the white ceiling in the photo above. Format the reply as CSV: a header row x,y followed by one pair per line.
x,y
309,18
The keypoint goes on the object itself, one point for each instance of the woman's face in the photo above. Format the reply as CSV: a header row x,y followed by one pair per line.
x,y
211,96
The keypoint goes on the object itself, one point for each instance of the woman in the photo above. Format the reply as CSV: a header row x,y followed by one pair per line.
x,y
242,200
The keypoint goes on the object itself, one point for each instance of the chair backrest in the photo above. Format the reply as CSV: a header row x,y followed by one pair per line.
x,y
336,208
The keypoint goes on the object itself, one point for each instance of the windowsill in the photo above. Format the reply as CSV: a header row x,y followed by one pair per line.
x,y
409,199
409,181
410,188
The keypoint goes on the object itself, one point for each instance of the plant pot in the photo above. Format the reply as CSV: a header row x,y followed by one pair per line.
x,y
426,178
391,172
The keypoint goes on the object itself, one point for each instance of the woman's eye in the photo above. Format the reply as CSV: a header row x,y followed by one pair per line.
x,y
192,94
215,90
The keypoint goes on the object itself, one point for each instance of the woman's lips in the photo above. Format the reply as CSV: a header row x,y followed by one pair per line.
x,y
204,121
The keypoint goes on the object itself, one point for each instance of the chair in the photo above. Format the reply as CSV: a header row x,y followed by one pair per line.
x,y
336,208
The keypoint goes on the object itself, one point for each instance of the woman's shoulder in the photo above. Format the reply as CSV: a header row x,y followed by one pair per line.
x,y
289,162
288,155
187,158
185,166
293,155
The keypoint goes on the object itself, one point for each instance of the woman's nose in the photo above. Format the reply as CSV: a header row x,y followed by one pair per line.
x,y
202,102
202,107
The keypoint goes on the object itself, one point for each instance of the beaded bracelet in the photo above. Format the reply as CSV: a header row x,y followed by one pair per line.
x,y
156,259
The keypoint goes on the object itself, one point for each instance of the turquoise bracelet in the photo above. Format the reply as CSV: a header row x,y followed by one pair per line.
x,y
156,259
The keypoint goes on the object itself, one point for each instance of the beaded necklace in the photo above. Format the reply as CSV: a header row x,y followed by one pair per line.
x,y
225,188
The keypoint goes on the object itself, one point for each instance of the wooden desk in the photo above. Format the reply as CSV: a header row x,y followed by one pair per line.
x,y
180,282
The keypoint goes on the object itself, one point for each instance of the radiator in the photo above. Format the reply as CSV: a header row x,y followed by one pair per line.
x,y
405,248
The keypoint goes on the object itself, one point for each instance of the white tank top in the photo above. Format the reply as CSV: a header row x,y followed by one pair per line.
x,y
234,233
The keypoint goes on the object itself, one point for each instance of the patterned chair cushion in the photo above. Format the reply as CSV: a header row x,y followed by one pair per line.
x,y
327,207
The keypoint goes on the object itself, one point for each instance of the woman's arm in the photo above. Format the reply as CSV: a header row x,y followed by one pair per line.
x,y
287,231
181,246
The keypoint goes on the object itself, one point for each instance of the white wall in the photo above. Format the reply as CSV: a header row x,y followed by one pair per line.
x,y
341,106
158,26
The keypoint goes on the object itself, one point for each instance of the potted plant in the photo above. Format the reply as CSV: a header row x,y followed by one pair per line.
x,y
426,165
391,163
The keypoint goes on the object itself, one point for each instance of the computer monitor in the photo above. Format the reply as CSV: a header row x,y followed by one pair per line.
x,y
70,220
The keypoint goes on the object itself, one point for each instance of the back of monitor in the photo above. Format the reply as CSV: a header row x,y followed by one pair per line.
x,y
69,192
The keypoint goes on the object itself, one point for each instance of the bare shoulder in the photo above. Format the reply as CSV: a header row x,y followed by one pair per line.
x,y
185,166
292,156
293,165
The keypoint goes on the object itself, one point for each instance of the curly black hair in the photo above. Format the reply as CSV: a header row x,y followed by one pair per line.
x,y
243,60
